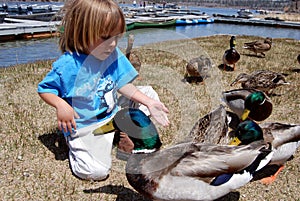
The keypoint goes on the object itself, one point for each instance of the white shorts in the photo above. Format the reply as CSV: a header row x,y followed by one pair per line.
x,y
89,154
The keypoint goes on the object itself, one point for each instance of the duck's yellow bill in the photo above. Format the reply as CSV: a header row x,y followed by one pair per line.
x,y
245,114
235,141
106,128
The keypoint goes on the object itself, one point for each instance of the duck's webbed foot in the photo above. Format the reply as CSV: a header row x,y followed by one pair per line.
x,y
271,179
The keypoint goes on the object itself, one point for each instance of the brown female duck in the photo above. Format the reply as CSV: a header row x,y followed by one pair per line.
x,y
259,46
264,80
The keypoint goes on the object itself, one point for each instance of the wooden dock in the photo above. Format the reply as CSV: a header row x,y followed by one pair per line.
x,y
13,29
258,22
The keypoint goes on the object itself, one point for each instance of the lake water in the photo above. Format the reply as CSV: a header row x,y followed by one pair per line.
x,y
24,51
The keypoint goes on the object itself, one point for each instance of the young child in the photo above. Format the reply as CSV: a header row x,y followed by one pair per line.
x,y
83,84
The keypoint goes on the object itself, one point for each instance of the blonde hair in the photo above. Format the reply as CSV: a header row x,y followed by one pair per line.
x,y
86,21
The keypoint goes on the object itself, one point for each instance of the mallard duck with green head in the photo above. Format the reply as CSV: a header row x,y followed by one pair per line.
x,y
139,128
259,46
284,139
248,103
186,171
231,56
195,171
264,80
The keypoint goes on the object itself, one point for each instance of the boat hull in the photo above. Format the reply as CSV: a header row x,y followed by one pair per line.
x,y
150,24
194,21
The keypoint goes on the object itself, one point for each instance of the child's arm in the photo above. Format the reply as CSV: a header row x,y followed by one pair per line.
x,y
156,108
65,113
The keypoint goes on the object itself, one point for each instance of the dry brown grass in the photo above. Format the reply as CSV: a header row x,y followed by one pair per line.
x,y
34,158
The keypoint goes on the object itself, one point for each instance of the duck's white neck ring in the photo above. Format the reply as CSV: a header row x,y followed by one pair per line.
x,y
143,151
263,102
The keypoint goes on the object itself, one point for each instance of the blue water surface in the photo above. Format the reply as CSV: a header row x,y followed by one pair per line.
x,y
24,51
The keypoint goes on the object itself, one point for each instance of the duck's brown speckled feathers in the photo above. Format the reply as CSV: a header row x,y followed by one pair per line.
x,y
198,69
213,127
259,46
264,80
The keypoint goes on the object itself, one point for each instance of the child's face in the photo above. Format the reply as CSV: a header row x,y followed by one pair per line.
x,y
105,45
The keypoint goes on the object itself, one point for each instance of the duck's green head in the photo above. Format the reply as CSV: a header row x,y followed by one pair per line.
x,y
232,42
253,101
247,132
137,126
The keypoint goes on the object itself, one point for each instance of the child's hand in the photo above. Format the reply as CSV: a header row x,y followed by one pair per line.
x,y
159,112
66,117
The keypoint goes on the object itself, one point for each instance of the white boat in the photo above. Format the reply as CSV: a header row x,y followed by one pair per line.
x,y
193,19
245,13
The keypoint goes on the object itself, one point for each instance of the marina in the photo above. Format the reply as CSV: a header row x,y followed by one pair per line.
x,y
41,45
259,22
43,20
14,28
24,51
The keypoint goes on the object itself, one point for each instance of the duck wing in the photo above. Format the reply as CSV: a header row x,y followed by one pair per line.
x,y
285,140
262,47
186,171
206,160
257,46
279,133
195,160
251,44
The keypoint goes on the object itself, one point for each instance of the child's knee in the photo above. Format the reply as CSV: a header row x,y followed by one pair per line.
x,y
91,173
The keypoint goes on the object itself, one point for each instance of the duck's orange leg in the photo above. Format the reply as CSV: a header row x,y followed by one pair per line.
x,y
269,180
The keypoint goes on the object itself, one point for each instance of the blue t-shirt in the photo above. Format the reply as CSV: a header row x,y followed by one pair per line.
x,y
89,85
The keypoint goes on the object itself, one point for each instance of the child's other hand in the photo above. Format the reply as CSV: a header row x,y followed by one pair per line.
x,y
159,112
66,117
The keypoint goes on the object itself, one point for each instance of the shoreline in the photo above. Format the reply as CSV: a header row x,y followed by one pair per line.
x,y
29,29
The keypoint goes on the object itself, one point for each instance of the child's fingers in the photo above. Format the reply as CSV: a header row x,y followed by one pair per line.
x,y
165,109
164,119
123,135
76,115
73,124
63,126
59,125
69,126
